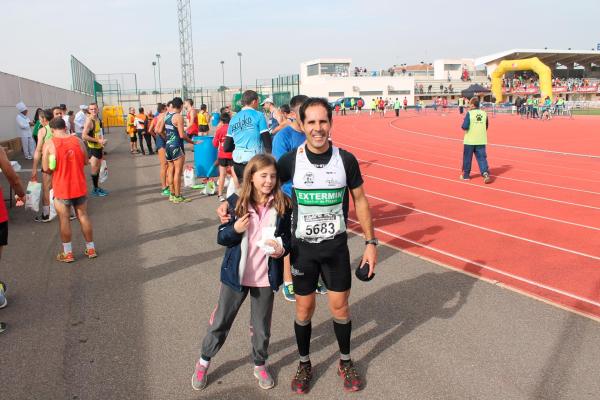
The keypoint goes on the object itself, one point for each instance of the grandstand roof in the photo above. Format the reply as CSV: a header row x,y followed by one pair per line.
x,y
547,56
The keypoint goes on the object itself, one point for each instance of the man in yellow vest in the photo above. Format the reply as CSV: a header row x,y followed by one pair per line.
x,y
131,131
475,126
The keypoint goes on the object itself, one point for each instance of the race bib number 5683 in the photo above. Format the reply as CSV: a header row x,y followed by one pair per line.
x,y
319,226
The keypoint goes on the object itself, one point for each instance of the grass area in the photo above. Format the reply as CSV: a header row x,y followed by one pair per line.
x,y
591,111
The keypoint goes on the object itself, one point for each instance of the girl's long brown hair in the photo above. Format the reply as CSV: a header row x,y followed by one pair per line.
x,y
280,201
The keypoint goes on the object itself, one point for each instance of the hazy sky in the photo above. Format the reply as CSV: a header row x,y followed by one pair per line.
x,y
38,36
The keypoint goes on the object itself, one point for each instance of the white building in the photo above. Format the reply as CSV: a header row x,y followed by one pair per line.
x,y
333,78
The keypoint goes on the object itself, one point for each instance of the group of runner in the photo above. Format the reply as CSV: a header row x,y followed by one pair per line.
x,y
291,209
63,150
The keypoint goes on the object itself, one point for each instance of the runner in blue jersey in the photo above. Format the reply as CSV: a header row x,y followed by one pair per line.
x,y
247,134
174,152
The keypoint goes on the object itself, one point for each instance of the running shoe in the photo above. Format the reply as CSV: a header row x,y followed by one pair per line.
x,y
98,193
486,178
288,292
301,381
3,301
72,217
90,253
222,198
42,218
171,198
65,257
2,327
181,199
200,377
352,381
321,289
265,381
105,192
347,371
166,192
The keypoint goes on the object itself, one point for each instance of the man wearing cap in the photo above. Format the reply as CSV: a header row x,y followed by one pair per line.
x,y
269,107
24,125
80,118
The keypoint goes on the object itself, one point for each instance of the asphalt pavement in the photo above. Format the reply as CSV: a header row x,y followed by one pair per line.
x,y
128,325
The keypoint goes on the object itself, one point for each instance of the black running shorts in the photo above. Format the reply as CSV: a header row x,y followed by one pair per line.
x,y
98,153
4,233
330,259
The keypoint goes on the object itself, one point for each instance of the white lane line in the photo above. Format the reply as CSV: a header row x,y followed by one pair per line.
x,y
489,268
562,153
484,204
456,169
486,187
428,148
510,235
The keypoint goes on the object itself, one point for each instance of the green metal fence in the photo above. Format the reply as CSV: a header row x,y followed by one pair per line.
x,y
284,88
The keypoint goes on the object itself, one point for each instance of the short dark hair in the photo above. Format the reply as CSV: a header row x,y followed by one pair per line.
x,y
203,107
225,117
285,108
314,102
177,102
298,100
170,103
248,97
141,109
190,101
160,107
475,102
70,113
58,123
55,108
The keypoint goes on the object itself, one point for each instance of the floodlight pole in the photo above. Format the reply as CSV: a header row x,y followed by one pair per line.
x,y
155,91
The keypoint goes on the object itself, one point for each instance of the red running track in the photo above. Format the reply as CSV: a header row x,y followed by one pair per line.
x,y
535,228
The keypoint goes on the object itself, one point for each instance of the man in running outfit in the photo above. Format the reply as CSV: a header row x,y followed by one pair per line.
x,y
65,158
191,117
247,134
15,184
323,177
92,135
174,153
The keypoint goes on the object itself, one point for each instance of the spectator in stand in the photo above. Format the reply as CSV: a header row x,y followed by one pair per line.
x,y
450,88
421,88
441,87
429,88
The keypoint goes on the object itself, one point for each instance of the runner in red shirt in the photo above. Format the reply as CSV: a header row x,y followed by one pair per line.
x,y
381,106
15,184
224,158
64,157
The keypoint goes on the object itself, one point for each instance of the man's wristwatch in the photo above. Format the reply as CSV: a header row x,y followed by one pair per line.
x,y
373,241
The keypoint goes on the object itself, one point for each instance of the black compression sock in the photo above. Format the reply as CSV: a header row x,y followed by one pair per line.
x,y
303,330
95,181
343,330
